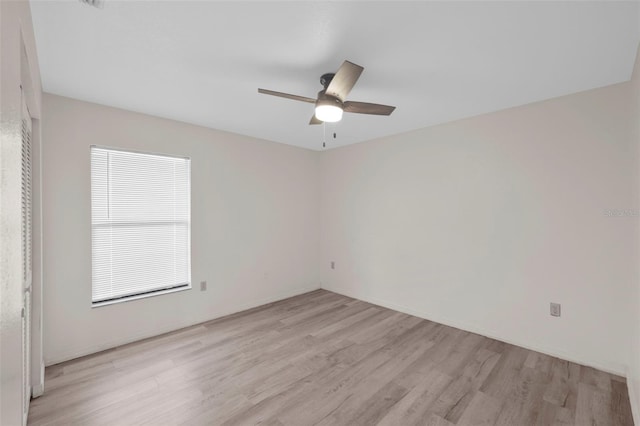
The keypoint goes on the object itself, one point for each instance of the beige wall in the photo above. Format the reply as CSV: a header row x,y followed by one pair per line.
x,y
18,66
254,225
481,223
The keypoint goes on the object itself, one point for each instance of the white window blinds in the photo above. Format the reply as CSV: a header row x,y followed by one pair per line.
x,y
140,223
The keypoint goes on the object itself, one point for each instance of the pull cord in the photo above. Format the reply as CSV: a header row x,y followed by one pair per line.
x,y
324,134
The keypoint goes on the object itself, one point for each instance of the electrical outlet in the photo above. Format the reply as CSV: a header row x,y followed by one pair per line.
x,y
333,265
203,286
555,309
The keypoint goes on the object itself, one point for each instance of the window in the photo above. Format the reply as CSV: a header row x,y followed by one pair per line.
x,y
140,224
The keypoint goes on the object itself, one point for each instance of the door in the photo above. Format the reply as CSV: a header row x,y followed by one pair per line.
x,y
26,259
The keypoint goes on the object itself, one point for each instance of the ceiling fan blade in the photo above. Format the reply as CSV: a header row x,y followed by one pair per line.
x,y
367,108
287,95
344,80
314,120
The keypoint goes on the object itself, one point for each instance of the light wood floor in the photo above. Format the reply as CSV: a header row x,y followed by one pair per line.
x,y
326,359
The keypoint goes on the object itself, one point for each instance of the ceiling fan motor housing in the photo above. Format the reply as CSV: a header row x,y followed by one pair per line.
x,y
325,79
324,99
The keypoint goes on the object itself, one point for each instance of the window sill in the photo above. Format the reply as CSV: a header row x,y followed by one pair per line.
x,y
140,296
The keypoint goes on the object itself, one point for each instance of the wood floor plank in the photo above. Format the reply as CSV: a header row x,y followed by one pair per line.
x,y
482,410
620,404
480,366
326,359
525,402
551,414
593,407
454,400
435,420
412,408
369,411
593,377
345,322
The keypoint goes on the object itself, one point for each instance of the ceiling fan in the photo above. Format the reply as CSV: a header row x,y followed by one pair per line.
x,y
331,101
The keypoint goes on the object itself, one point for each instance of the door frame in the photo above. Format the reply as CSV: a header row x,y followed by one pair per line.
x,y
31,99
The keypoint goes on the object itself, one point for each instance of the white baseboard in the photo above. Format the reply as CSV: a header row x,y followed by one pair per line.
x,y
613,369
80,352
37,390
37,381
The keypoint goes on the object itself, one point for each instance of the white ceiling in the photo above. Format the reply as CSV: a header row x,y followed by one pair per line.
x,y
202,62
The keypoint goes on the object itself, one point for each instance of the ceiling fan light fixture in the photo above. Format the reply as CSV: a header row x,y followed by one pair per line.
x,y
328,113
331,103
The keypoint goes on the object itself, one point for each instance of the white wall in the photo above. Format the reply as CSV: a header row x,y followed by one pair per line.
x,y
482,222
255,211
18,66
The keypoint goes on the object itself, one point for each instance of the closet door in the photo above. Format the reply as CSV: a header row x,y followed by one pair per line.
x,y
26,259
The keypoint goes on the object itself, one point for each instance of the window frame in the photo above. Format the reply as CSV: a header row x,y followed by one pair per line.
x,y
151,293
